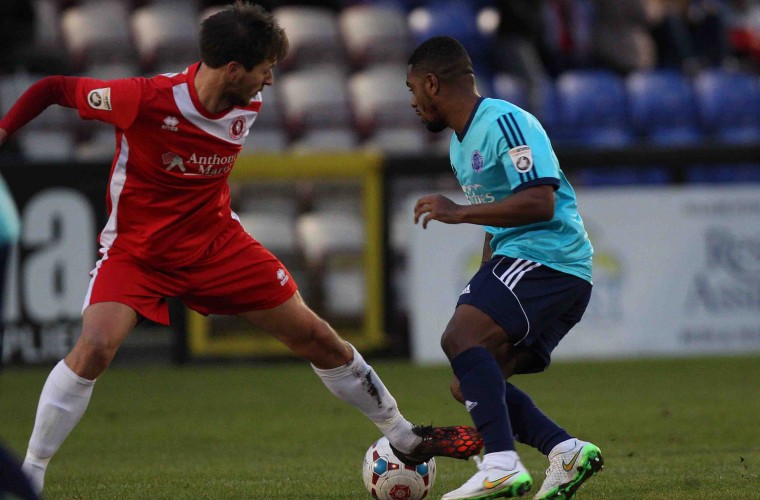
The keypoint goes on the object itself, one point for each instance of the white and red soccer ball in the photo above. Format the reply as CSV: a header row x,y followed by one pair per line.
x,y
388,478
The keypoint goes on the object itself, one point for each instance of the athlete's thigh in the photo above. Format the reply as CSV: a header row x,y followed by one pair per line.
x,y
118,277
529,301
242,276
469,327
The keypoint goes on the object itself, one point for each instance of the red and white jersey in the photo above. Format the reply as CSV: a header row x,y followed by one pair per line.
x,y
168,196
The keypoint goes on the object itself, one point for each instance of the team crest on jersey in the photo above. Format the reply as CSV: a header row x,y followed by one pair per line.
x,y
477,161
237,128
100,98
522,158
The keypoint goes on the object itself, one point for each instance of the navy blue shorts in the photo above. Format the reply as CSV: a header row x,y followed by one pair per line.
x,y
534,304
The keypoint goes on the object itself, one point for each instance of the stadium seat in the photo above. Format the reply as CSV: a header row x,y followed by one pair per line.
x,y
344,291
397,140
273,230
621,176
592,109
375,34
265,139
454,18
724,173
271,111
313,35
332,243
510,88
380,98
46,145
97,32
100,147
47,29
314,97
165,32
729,105
325,140
662,107
112,71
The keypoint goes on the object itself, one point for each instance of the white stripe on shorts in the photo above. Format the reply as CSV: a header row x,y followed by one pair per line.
x,y
516,271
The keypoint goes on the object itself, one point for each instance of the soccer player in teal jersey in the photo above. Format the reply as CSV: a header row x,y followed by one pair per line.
x,y
535,281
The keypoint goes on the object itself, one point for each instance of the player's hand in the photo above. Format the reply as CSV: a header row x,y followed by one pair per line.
x,y
3,136
437,207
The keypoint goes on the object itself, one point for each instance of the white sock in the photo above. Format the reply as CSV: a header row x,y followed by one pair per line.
x,y
357,384
507,459
62,403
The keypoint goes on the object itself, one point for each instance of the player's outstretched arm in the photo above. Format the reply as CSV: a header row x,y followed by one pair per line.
x,y
3,136
46,92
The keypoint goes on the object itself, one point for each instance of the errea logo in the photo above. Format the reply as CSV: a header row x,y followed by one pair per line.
x,y
170,123
282,276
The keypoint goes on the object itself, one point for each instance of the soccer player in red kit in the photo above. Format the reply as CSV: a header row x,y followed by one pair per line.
x,y
171,232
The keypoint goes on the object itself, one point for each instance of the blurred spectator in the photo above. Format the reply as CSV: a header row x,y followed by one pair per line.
x,y
622,41
568,34
743,27
690,34
518,41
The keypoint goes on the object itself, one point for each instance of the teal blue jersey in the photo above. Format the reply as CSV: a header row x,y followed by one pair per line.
x,y
503,150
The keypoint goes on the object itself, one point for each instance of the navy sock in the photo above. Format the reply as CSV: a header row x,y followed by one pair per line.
x,y
531,425
482,385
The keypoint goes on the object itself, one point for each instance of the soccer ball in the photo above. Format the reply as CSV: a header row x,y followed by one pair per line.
x,y
387,478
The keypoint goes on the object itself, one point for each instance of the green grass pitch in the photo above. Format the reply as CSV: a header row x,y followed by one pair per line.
x,y
677,429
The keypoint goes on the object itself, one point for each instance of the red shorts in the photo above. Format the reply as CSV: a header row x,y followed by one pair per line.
x,y
237,275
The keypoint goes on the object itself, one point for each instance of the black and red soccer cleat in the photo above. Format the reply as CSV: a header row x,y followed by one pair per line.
x,y
459,441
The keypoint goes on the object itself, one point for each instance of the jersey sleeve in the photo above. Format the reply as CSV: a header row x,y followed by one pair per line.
x,y
524,150
114,101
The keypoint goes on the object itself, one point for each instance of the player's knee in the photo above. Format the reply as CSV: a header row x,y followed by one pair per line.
x,y
453,343
323,347
91,356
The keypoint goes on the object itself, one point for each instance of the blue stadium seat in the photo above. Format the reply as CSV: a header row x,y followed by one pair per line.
x,y
592,109
729,105
454,18
662,107
510,88
724,174
621,176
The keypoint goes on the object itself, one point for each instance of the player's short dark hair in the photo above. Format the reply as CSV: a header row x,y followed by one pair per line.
x,y
245,33
443,56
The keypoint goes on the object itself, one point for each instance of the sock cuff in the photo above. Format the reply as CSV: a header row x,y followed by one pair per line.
x,y
66,379
465,360
357,363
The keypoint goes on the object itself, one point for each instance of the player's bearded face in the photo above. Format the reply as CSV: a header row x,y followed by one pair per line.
x,y
423,105
252,82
